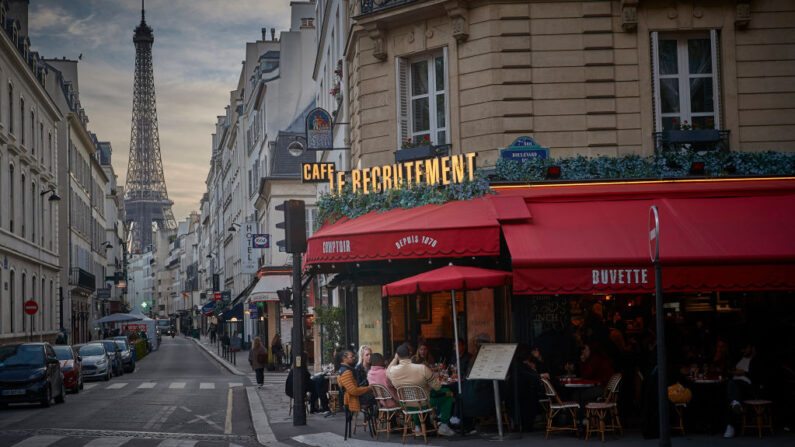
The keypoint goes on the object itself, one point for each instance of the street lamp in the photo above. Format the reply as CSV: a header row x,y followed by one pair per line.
x,y
234,227
54,197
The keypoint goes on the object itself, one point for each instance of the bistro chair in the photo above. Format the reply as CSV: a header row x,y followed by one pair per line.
x,y
602,415
387,416
557,406
333,394
679,408
414,402
306,404
762,413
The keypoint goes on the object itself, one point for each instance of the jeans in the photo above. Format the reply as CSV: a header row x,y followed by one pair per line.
x,y
260,372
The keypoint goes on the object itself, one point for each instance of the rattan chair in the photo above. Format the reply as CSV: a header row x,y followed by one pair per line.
x,y
306,404
387,416
762,414
414,402
679,408
557,406
334,398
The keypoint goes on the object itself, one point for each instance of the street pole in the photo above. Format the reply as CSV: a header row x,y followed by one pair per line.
x,y
299,413
662,367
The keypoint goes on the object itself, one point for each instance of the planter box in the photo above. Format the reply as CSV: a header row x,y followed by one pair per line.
x,y
692,136
421,152
691,140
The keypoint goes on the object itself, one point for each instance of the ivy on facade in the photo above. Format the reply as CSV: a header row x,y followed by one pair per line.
x,y
668,165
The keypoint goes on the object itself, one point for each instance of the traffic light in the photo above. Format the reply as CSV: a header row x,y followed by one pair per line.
x,y
285,297
294,226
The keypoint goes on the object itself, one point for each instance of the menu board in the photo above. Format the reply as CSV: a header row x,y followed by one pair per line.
x,y
493,361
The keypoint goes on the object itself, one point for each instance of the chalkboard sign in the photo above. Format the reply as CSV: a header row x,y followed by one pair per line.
x,y
493,361
551,312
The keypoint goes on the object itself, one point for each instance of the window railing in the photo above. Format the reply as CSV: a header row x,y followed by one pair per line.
x,y
82,278
697,140
371,6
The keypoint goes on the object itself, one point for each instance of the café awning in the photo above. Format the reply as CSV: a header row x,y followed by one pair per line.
x,y
451,277
267,285
209,308
453,229
714,236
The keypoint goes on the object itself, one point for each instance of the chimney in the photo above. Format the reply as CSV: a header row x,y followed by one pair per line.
x,y
18,9
273,34
264,34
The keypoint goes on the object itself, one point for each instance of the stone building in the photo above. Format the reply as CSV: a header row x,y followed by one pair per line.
x,y
581,77
29,175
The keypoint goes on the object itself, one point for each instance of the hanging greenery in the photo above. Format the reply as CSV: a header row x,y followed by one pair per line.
x,y
668,165
352,205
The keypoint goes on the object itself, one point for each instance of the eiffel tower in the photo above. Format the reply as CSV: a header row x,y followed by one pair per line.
x,y
146,201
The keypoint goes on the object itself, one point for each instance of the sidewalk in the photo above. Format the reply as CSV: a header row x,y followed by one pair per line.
x,y
274,426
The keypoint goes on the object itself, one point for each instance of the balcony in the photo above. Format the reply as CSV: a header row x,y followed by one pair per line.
x,y
697,140
82,279
371,6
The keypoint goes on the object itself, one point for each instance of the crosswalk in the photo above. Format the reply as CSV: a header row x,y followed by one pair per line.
x,y
169,385
122,441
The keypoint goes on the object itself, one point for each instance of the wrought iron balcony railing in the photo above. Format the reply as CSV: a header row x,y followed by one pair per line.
x,y
82,278
371,6
697,140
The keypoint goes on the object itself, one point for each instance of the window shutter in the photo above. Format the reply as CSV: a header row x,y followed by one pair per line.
x,y
655,81
714,39
402,77
446,98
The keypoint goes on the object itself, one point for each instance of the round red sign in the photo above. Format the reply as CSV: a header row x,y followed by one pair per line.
x,y
31,307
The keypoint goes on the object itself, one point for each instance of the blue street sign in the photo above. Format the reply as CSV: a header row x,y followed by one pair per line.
x,y
524,148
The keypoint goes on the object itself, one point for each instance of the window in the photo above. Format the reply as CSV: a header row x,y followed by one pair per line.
x,y
32,134
49,146
685,71
12,300
33,212
22,201
41,141
22,289
10,107
422,99
11,198
22,120
33,297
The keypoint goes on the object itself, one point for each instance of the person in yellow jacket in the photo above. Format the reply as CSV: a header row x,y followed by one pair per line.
x,y
347,380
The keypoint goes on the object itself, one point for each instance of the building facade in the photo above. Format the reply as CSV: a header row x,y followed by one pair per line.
x,y
29,175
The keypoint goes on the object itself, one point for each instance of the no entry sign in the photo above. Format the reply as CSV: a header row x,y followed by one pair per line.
x,y
31,307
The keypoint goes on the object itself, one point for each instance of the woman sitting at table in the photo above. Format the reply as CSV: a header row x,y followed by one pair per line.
x,y
377,376
423,356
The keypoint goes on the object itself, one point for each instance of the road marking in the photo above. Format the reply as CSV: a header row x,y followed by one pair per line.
x,y
107,442
234,384
147,385
164,418
186,409
177,385
158,415
334,440
228,424
39,441
206,420
206,386
88,386
177,443
116,386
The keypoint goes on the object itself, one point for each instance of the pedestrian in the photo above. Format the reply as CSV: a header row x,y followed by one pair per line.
x,y
277,351
258,358
212,333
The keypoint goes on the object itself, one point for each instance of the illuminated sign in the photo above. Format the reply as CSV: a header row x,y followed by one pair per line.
x,y
317,172
434,171
318,130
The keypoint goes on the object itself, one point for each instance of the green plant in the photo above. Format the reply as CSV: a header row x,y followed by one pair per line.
x,y
332,322
423,141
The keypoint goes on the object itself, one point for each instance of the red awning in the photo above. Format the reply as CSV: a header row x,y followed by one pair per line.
x,y
714,235
454,229
451,277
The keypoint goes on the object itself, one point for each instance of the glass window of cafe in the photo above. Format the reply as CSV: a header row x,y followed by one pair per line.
x,y
428,319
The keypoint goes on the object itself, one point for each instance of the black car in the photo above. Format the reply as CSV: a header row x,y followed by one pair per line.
x,y
117,363
127,352
30,372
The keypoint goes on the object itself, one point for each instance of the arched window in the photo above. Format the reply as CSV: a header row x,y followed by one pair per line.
x,y
12,300
22,289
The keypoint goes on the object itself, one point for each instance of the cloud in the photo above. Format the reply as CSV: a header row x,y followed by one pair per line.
x,y
198,47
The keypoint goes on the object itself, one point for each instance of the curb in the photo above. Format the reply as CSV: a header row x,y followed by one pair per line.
x,y
218,359
259,419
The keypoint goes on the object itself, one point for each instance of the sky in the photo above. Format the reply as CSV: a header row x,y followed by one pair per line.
x,y
197,54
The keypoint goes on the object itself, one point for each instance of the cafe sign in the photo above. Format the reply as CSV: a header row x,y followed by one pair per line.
x,y
445,170
317,172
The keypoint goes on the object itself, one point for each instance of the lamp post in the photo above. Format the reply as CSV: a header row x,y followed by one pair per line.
x,y
53,198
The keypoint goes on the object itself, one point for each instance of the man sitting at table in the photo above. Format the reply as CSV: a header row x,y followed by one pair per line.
x,y
594,365
741,387
402,373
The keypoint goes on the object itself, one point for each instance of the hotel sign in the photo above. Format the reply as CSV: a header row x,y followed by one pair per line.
x,y
434,171
319,130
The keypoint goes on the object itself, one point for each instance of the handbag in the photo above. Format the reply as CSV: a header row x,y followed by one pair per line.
x,y
678,394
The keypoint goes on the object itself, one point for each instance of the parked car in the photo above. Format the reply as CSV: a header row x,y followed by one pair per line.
x,y
115,356
70,367
127,353
30,372
95,361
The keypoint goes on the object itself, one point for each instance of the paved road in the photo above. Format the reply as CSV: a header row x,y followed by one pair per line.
x,y
178,396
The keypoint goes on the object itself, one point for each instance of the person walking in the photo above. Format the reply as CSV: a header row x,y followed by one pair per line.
x,y
258,359
277,351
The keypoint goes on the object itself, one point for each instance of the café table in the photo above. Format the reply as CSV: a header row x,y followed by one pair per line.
x,y
708,406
